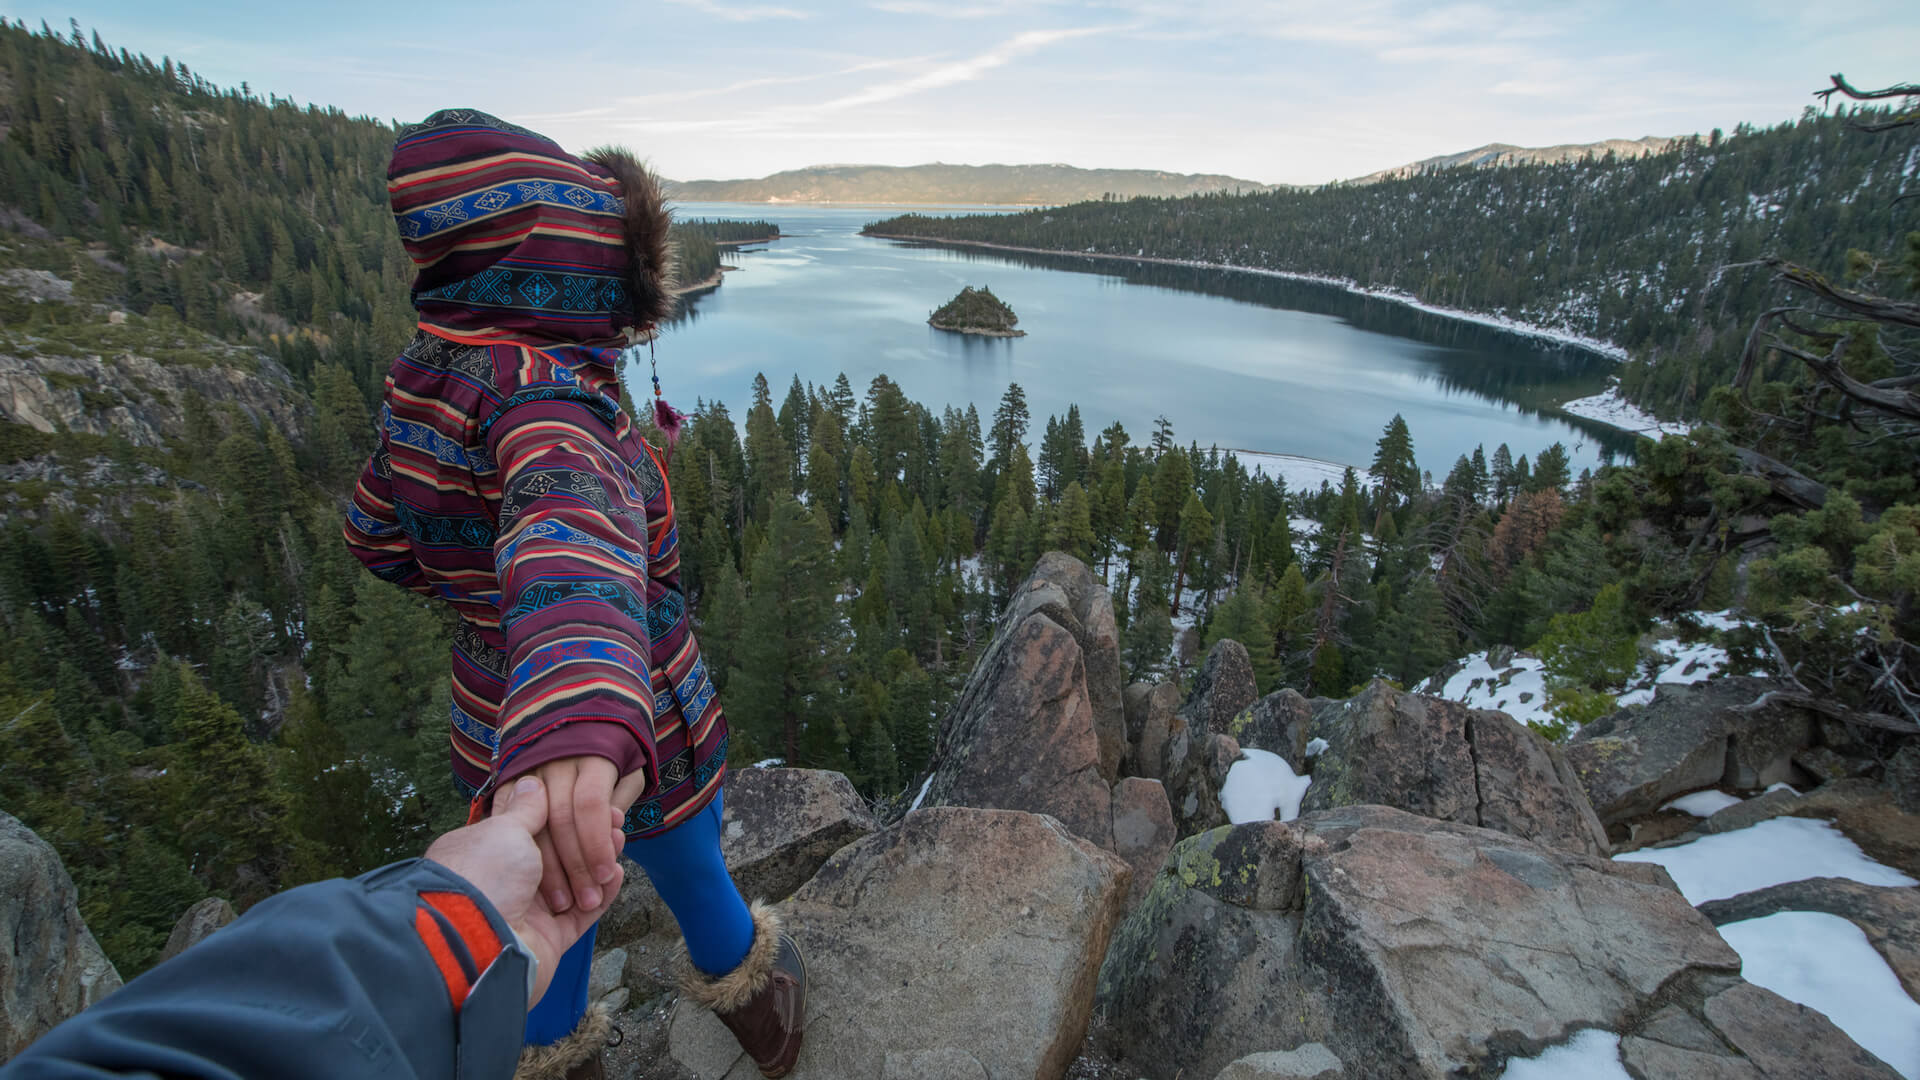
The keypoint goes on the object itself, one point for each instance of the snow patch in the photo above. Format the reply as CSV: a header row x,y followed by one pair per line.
x,y
918,799
1300,473
1316,747
1261,786
770,763
1519,689
1770,853
1824,962
1591,1055
1704,803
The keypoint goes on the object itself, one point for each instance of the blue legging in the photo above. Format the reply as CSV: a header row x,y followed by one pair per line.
x,y
687,871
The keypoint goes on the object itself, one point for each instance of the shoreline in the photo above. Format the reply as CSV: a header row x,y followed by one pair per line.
x,y
1498,322
752,240
707,284
980,331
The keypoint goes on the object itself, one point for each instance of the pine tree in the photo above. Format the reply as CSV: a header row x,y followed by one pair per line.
x,y
1394,469
1196,527
1009,425
1073,527
780,687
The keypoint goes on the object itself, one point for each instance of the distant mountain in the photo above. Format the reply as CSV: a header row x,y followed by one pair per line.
x,y
1046,185
1504,154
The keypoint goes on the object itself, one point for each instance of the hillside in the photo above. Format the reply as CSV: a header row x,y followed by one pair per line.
x,y
1646,253
1494,154
954,185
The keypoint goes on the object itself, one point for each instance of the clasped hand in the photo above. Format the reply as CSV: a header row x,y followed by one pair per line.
x,y
579,860
501,858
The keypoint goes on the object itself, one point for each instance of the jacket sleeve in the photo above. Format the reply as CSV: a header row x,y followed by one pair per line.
x,y
406,973
373,532
571,559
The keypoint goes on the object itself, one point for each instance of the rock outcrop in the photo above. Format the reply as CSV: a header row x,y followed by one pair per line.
x,y
1043,723
1025,733
1688,738
140,398
1412,947
51,967
957,942
1199,737
198,924
1446,761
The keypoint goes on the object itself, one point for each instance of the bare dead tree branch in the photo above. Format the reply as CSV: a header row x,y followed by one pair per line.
x,y
1873,307
1901,403
1786,481
1897,120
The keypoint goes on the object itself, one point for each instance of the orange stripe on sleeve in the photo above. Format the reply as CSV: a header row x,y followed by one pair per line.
x,y
471,924
443,958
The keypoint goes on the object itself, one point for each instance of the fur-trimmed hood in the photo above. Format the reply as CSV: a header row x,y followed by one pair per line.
x,y
513,237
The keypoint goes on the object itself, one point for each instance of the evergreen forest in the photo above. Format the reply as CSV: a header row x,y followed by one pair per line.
x,y
201,692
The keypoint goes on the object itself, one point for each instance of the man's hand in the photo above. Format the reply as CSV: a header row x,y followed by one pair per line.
x,y
498,856
579,862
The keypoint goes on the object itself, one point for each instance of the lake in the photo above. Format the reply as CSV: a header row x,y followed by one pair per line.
x,y
1236,360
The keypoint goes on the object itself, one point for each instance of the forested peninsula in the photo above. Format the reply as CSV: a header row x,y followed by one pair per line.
x,y
1653,254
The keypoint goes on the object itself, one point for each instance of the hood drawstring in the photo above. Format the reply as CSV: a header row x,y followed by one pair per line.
x,y
665,417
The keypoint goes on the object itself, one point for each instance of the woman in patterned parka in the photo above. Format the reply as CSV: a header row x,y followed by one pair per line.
x,y
509,482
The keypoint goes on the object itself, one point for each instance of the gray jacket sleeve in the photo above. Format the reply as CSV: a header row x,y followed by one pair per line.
x,y
407,972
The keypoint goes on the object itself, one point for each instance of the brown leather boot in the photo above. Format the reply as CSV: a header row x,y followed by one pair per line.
x,y
576,1057
764,1000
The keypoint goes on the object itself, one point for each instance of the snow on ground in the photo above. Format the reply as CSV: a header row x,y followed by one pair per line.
x,y
1704,803
1591,1055
1692,663
1824,962
1770,853
1519,689
1300,473
1260,787
1316,747
770,763
1303,528
1615,411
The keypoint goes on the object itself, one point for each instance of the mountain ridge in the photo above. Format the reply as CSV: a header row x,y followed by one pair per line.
x,y
938,183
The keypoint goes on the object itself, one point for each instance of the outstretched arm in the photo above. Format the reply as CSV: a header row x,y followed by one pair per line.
x,y
411,971
571,559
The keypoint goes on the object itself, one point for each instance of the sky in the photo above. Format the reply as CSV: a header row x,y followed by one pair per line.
x,y
1289,91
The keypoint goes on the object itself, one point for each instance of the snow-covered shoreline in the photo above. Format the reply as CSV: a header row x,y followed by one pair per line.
x,y
1609,408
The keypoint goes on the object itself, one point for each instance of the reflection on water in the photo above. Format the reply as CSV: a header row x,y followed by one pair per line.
x,y
1241,360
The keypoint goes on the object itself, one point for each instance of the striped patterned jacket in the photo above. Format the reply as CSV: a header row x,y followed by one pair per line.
x,y
509,482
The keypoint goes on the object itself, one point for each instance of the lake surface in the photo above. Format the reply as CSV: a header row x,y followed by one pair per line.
x,y
1236,360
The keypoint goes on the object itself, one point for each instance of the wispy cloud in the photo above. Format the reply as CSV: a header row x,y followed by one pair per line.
x,y
960,71
741,13
944,11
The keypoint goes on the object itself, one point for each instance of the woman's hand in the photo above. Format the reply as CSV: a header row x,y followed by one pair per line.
x,y
579,860
500,858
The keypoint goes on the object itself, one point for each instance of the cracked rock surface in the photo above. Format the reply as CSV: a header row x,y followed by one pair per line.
x,y
1412,947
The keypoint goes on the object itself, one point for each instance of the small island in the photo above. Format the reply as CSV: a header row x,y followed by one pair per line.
x,y
977,311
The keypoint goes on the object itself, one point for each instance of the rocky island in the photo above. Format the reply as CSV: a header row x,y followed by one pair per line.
x,y
977,311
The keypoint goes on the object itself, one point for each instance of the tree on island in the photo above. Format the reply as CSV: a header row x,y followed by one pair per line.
x,y
977,311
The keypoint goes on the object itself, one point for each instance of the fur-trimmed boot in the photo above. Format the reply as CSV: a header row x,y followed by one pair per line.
x,y
576,1057
764,1000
